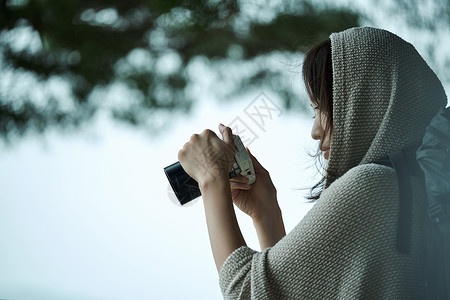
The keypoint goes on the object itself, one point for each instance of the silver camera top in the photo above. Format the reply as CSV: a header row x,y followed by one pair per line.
x,y
242,162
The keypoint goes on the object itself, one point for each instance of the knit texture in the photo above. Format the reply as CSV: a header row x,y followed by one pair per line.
x,y
345,248
384,95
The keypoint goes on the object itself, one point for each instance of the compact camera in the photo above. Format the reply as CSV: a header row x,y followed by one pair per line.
x,y
186,188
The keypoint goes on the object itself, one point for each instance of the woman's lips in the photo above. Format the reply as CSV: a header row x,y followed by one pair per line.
x,y
326,154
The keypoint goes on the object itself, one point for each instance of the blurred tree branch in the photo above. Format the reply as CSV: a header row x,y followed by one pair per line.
x,y
58,59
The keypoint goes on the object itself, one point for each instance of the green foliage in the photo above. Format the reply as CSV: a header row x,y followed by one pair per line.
x,y
144,48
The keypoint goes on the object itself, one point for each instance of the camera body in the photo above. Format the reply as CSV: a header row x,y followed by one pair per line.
x,y
186,188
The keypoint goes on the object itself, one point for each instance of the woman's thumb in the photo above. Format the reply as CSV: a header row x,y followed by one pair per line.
x,y
226,134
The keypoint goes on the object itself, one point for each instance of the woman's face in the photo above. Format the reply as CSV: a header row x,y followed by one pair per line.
x,y
318,131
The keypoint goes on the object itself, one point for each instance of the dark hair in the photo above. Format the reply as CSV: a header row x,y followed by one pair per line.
x,y
318,78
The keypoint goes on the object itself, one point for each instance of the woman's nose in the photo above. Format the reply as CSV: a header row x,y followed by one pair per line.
x,y
316,131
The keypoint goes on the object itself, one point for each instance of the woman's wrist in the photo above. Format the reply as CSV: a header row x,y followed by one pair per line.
x,y
213,181
269,227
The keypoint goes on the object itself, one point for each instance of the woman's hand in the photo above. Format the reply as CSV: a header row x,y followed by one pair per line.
x,y
259,201
207,158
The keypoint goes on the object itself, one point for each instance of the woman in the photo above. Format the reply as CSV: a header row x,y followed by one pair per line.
x,y
372,94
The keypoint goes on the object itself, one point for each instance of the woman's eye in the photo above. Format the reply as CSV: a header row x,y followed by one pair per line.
x,y
315,109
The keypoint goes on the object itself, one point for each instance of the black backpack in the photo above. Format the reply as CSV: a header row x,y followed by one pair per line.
x,y
430,162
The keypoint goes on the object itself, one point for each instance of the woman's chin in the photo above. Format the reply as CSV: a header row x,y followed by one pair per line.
x,y
326,154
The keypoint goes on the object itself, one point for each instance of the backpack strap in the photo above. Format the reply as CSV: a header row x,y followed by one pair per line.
x,y
399,162
405,166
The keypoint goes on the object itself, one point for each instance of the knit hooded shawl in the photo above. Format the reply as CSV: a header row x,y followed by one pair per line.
x,y
384,95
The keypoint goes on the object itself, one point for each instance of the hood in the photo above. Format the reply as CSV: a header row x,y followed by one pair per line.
x,y
384,96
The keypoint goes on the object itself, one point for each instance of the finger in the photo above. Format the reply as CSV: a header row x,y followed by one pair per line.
x,y
206,132
183,151
239,186
239,178
235,193
227,135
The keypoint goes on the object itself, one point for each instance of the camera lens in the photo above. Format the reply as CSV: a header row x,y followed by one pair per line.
x,y
184,186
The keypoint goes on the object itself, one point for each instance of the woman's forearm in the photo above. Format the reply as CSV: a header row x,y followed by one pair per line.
x,y
224,232
270,228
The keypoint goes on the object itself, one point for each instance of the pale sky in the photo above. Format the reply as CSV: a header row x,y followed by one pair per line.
x,y
88,216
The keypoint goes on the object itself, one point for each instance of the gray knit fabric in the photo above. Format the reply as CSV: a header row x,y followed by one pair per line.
x,y
345,247
384,96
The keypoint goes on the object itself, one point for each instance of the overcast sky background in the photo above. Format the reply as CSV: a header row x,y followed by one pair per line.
x,y
88,215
